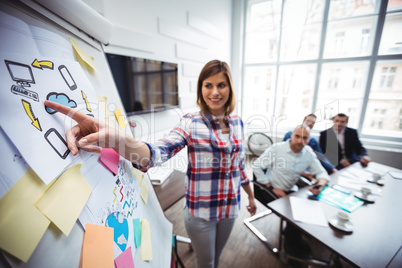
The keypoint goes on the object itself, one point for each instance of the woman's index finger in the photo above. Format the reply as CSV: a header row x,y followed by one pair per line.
x,y
70,112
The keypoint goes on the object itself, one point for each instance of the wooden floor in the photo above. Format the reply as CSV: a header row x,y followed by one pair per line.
x,y
243,249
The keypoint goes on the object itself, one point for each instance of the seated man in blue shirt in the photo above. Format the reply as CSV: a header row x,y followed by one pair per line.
x,y
309,120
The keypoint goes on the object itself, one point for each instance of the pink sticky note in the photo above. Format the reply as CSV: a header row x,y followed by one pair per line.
x,y
110,159
125,259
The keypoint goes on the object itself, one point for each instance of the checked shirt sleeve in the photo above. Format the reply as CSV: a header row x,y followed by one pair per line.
x,y
167,147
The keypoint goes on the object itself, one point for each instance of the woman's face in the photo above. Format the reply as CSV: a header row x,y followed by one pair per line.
x,y
215,92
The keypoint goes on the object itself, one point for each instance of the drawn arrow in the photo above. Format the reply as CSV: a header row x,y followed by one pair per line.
x,y
28,110
126,203
42,64
86,101
122,196
115,196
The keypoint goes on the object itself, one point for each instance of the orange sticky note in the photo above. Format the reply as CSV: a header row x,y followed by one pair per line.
x,y
97,248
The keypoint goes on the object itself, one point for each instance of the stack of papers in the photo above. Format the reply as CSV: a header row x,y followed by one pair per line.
x,y
356,178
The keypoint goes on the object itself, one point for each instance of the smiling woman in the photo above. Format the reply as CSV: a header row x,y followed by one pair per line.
x,y
216,159
216,74
215,92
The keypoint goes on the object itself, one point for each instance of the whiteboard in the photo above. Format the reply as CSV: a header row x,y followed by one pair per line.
x,y
50,39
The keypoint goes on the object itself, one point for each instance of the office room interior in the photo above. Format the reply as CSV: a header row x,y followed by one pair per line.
x,y
288,59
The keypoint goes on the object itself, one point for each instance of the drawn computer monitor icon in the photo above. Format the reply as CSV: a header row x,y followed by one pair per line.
x,y
65,73
20,73
23,76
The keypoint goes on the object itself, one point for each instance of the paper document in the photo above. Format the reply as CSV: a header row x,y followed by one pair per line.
x,y
308,211
377,168
396,174
358,173
358,184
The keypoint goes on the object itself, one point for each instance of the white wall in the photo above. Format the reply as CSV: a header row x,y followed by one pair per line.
x,y
187,32
190,33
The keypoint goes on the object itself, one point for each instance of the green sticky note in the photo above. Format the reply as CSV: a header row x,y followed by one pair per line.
x,y
137,232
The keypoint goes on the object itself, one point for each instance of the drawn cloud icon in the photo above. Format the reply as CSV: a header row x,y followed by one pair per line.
x,y
60,98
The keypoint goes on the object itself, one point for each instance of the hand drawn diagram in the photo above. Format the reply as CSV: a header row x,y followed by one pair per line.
x,y
114,202
37,131
33,62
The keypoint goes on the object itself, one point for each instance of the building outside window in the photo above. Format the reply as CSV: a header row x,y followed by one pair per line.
x,y
324,57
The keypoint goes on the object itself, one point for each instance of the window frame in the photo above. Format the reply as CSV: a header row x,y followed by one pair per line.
x,y
372,60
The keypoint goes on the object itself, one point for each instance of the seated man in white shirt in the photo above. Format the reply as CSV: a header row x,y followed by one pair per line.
x,y
284,163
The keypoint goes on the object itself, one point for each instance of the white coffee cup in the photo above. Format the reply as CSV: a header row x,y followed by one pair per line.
x,y
342,217
376,177
365,191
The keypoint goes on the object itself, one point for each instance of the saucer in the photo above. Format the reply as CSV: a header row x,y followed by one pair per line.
x,y
368,199
347,227
379,182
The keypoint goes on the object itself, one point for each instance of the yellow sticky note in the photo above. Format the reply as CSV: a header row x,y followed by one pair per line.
x,y
119,118
139,176
146,243
108,117
144,191
82,54
97,249
22,225
107,114
64,201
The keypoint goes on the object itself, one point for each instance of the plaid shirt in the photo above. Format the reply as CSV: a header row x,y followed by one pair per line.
x,y
216,168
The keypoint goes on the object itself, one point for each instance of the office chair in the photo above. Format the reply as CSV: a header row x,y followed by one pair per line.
x,y
258,143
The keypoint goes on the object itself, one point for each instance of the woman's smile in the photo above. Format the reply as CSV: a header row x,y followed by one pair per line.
x,y
215,92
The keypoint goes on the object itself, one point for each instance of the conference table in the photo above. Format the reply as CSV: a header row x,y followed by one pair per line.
x,y
376,238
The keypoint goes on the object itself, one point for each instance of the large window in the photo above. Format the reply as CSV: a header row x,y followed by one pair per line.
x,y
324,57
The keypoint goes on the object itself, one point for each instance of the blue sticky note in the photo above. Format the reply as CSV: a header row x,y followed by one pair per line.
x,y
137,232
